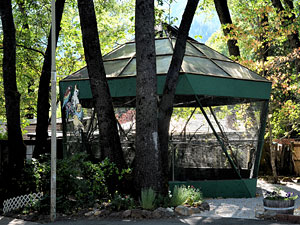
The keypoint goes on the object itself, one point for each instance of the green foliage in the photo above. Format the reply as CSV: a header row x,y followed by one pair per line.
x,y
285,104
194,196
80,183
148,198
186,195
33,20
179,196
162,201
120,202
3,134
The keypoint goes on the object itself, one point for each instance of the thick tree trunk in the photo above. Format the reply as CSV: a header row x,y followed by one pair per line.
x,y
43,105
166,103
147,145
293,38
110,144
225,18
16,147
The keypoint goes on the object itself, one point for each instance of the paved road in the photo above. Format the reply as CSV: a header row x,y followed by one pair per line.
x,y
190,220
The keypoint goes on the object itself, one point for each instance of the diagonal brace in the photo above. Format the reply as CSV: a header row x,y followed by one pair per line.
x,y
219,139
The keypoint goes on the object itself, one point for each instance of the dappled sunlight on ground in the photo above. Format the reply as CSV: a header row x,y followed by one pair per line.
x,y
12,221
246,207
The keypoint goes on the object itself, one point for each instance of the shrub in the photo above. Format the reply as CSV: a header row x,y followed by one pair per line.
x,y
186,195
80,183
148,198
179,196
194,196
122,203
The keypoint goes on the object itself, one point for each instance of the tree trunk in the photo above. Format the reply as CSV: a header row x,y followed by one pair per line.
x,y
293,38
263,51
166,103
16,147
225,18
147,145
272,154
43,105
109,139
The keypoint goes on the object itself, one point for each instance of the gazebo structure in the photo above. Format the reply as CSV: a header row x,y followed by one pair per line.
x,y
221,147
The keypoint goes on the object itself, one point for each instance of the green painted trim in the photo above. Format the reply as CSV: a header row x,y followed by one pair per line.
x,y
83,86
222,188
202,84
222,86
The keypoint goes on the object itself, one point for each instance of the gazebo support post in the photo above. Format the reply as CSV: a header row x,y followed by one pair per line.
x,y
263,119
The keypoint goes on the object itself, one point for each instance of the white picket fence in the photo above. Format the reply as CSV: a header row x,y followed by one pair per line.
x,y
21,201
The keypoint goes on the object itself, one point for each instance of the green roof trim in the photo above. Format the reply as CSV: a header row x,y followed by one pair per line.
x,y
188,84
227,87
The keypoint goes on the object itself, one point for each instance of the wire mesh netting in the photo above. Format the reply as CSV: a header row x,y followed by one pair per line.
x,y
197,150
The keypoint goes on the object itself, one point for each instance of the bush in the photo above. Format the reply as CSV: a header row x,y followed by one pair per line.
x,y
80,183
122,203
179,196
194,196
147,198
186,195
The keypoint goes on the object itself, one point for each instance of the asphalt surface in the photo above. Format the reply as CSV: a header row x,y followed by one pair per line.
x,y
193,220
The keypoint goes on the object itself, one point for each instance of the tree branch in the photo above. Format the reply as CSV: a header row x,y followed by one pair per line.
x,y
31,49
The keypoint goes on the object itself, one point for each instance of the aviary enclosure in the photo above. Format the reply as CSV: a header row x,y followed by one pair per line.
x,y
216,147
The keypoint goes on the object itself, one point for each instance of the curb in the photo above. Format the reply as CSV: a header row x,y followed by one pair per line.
x,y
288,218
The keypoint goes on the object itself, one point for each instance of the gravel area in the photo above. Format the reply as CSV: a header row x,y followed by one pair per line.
x,y
246,207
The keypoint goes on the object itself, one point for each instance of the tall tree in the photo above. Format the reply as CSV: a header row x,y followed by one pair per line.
x,y
167,100
43,105
225,19
153,120
16,147
109,139
293,37
147,143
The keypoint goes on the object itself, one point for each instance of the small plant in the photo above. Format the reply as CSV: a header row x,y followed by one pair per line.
x,y
162,201
194,196
179,196
186,195
277,195
148,198
122,203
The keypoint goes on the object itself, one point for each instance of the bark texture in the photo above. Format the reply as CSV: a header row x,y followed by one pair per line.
x,y
109,139
167,100
147,143
43,104
225,18
17,150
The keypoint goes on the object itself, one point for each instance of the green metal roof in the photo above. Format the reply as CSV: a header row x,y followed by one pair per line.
x,y
204,72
